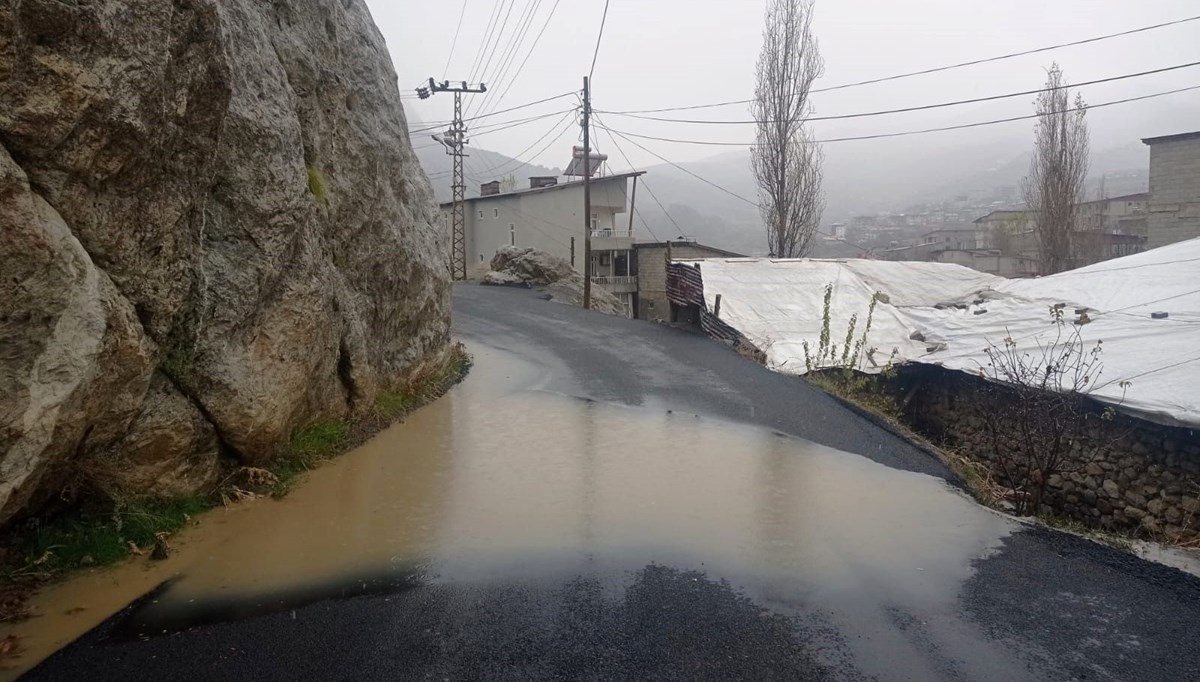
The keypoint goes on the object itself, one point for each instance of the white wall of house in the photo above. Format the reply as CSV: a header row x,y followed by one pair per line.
x,y
546,219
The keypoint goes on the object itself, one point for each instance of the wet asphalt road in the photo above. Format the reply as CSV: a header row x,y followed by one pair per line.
x,y
1039,606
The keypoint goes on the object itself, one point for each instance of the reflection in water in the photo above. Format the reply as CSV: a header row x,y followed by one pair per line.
x,y
498,482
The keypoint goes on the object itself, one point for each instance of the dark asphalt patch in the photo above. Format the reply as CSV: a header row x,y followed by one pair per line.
x,y
1082,611
667,624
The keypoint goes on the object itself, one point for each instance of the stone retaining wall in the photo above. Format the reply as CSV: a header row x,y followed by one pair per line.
x,y
1144,479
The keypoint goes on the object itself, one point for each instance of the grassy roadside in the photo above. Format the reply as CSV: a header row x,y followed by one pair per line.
x,y
105,532
865,396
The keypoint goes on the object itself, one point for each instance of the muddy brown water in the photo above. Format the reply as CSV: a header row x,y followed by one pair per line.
x,y
500,473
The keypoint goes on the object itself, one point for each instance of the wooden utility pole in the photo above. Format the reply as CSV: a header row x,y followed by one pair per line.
x,y
587,195
454,140
632,204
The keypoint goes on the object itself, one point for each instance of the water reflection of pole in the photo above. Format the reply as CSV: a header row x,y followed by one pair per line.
x,y
587,504
779,524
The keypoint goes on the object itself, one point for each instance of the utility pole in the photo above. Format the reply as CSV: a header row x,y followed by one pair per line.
x,y
454,140
587,196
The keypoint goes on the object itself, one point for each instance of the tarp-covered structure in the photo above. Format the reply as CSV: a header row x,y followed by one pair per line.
x,y
947,315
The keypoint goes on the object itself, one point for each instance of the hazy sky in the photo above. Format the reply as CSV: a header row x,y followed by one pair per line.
x,y
662,53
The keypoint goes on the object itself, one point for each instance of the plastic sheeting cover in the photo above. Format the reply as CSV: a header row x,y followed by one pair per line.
x,y
955,312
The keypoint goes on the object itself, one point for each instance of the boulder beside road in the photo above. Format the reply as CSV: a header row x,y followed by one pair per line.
x,y
528,267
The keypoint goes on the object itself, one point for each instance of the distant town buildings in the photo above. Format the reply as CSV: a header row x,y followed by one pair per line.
x,y
1174,206
993,233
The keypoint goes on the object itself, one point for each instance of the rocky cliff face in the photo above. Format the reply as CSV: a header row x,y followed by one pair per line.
x,y
213,230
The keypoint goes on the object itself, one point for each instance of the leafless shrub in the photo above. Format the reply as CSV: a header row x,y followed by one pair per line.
x,y
1036,413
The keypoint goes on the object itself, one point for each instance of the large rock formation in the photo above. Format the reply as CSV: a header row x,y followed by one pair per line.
x,y
213,230
526,267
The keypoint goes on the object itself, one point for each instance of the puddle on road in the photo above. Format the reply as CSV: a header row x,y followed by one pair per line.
x,y
480,484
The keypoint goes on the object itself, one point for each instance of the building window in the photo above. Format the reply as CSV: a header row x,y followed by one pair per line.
x,y
495,213
512,234
595,221
481,213
604,259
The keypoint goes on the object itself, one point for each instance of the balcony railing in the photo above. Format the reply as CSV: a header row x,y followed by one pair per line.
x,y
614,279
610,234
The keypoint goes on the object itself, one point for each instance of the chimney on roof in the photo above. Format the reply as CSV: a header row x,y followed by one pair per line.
x,y
487,189
537,181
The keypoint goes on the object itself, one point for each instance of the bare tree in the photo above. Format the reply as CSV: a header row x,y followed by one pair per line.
x,y
1055,184
786,159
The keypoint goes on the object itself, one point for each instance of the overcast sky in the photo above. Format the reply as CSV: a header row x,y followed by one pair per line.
x,y
664,53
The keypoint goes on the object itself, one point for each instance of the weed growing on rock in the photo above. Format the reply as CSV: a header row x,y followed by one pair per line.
x,y
316,185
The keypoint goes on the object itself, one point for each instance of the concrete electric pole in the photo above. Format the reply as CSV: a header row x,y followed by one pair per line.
x,y
454,140
587,196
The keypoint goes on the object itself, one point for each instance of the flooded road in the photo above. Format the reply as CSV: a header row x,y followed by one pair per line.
x,y
554,519
502,482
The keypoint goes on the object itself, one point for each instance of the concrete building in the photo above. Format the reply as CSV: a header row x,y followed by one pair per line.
x,y
547,215
993,230
991,261
651,269
1125,214
1174,210
949,238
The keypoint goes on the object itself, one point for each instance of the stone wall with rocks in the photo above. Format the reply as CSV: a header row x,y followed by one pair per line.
x,y
1126,474
213,230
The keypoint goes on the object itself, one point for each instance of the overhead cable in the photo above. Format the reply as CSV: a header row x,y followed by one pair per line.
x,y
599,36
443,124
923,107
454,43
939,68
925,130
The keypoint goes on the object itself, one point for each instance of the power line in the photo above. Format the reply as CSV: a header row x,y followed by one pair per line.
x,y
557,126
648,190
510,52
499,36
543,150
491,27
504,125
925,130
599,36
533,47
715,185
497,127
935,69
453,44
441,124
924,107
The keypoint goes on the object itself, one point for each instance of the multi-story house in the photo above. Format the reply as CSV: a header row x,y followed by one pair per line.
x,y
548,216
1174,208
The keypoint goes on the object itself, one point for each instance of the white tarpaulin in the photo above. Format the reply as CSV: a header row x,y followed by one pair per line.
x,y
957,312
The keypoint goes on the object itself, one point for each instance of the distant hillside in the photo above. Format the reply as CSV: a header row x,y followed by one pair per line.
x,y
438,165
1125,170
